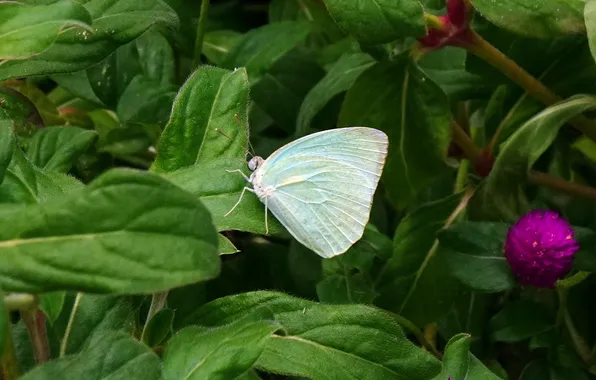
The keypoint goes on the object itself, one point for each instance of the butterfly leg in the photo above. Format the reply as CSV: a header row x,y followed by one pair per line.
x,y
239,171
239,200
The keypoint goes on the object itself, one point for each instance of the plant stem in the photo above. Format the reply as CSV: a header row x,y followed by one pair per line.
x,y
461,138
483,49
9,365
73,312
19,301
571,188
35,321
201,28
158,302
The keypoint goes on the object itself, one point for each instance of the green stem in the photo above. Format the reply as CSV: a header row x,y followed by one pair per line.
x,y
461,138
20,301
571,188
35,321
201,28
158,302
9,365
483,49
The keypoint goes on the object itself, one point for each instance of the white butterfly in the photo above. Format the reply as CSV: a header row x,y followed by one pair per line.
x,y
320,187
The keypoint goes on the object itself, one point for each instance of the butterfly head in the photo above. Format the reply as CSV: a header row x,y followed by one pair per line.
x,y
254,163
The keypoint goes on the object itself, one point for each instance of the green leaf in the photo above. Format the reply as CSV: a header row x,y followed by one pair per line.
x,y
456,360
146,101
208,120
56,148
156,56
29,30
158,328
4,323
544,19
338,79
114,24
220,353
93,316
25,183
344,289
503,194
138,232
320,339
115,356
226,247
6,146
51,304
474,253
399,99
290,78
459,363
520,320
221,195
260,48
217,45
414,282
378,21
590,19
21,111
447,68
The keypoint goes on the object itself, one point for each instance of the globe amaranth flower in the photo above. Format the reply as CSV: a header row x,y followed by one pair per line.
x,y
540,247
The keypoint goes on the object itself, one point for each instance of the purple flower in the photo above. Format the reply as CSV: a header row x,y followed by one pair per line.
x,y
540,247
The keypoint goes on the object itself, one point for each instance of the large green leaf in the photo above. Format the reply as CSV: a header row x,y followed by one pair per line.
x,y
56,148
338,79
208,120
378,21
326,341
414,282
402,101
258,50
93,316
532,18
114,24
29,30
503,195
113,356
474,253
220,353
128,232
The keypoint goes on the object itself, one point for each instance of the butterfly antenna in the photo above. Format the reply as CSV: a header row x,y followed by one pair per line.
x,y
251,150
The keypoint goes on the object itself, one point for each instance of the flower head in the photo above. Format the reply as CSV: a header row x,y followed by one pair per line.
x,y
540,247
450,29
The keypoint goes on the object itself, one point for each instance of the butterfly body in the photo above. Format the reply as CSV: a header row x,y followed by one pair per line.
x,y
320,187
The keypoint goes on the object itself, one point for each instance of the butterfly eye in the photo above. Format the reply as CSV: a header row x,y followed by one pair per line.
x,y
254,163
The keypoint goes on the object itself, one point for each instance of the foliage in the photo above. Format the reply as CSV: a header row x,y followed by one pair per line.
x,y
121,122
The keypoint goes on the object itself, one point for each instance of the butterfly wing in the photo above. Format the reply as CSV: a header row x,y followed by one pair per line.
x,y
324,184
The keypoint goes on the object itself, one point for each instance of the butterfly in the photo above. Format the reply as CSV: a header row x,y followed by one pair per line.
x,y
320,187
